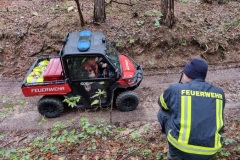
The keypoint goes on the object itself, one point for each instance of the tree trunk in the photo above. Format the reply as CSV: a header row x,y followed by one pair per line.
x,y
80,13
167,8
164,9
171,15
99,11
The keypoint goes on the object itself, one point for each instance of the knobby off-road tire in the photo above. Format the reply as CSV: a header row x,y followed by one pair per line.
x,y
50,106
127,101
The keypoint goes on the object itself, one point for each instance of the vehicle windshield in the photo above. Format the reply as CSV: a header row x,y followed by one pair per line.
x,y
112,55
84,38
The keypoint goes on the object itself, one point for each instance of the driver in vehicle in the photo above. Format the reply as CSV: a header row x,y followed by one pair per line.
x,y
91,67
102,67
96,67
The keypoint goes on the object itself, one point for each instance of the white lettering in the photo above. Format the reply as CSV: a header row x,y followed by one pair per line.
x,y
127,66
53,89
85,83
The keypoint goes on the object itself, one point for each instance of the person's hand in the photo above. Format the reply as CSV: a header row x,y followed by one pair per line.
x,y
104,65
92,74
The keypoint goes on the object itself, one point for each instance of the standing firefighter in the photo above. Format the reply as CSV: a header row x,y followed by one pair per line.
x,y
191,115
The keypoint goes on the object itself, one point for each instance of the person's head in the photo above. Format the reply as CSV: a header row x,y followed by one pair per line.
x,y
91,60
195,69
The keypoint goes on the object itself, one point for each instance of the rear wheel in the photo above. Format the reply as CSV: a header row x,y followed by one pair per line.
x,y
127,101
50,106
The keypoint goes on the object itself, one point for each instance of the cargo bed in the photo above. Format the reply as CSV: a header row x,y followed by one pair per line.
x,y
45,77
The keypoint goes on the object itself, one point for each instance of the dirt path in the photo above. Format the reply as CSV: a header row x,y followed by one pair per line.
x,y
26,117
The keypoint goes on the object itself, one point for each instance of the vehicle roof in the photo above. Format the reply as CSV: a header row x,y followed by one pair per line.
x,y
97,44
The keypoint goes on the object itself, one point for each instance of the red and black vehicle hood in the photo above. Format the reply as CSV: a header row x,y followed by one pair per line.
x,y
131,72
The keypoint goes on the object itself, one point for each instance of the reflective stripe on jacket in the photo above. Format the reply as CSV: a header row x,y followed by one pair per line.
x,y
196,117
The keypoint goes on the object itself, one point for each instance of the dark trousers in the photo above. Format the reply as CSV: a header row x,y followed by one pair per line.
x,y
163,117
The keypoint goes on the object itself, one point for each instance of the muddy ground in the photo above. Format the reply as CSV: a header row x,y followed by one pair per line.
x,y
29,29
26,117
22,123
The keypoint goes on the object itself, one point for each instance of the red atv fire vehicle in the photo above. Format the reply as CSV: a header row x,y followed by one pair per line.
x,y
87,67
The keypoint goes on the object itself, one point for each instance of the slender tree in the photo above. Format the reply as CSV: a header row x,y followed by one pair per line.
x,y
99,11
171,15
80,13
167,8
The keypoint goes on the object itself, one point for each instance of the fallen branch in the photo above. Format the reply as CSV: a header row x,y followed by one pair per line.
x,y
120,3
41,50
126,134
126,156
45,24
129,132
22,139
2,120
14,141
203,54
206,49
7,144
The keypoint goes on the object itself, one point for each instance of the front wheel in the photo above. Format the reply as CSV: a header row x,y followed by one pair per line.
x,y
127,101
50,107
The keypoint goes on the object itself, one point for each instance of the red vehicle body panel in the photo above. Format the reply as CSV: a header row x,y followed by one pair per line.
x,y
51,89
53,71
128,70
127,66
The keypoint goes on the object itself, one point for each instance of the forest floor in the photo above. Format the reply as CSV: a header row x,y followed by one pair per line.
x,y
29,29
